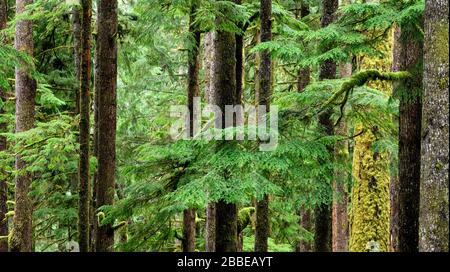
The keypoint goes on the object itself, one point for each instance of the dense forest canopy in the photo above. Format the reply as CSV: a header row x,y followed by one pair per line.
x,y
338,140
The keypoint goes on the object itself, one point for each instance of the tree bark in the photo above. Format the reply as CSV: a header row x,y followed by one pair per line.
x,y
76,31
210,226
3,184
410,92
340,228
434,213
304,79
188,242
304,75
106,75
192,92
239,64
84,186
323,213
224,87
306,223
226,227
393,220
21,240
263,99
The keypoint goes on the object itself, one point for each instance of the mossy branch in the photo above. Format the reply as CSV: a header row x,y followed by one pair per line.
x,y
100,217
245,218
8,215
360,79
120,225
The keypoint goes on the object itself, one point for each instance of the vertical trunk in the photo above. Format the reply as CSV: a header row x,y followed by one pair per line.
x,y
83,172
340,228
93,207
224,87
226,227
3,185
193,92
239,65
323,213
304,75
434,214
410,92
393,220
106,77
76,30
210,227
188,242
263,99
306,223
304,79
25,110
369,230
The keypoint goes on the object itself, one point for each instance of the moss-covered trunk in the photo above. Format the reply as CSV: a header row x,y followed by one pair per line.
x,y
106,75
434,213
21,240
370,210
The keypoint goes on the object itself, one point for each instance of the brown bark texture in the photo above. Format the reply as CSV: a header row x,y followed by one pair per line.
x,y
106,77
410,92
21,240
84,190
328,70
264,94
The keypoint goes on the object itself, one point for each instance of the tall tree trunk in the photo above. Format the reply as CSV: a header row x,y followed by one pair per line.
x,y
340,228
3,185
304,75
210,226
340,225
224,87
323,213
369,222
434,214
106,77
306,215
93,207
76,30
239,64
193,92
22,237
263,99
410,92
84,186
393,221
